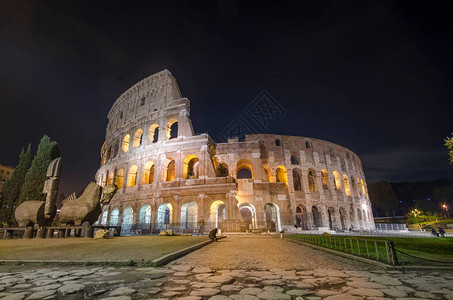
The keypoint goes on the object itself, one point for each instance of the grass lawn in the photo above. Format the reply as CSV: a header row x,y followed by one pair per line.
x,y
133,248
438,249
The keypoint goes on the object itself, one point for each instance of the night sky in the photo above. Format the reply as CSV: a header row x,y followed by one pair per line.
x,y
373,76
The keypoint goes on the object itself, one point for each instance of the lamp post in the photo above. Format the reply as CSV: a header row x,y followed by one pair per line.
x,y
447,213
416,212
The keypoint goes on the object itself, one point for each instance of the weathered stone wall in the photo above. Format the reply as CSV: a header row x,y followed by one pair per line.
x,y
193,176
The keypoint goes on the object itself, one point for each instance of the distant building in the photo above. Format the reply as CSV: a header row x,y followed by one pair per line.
x,y
5,174
168,177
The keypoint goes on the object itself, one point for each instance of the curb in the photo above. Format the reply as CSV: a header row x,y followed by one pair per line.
x,y
369,261
163,260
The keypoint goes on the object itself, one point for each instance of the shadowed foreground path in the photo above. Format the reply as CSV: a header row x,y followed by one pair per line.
x,y
238,267
253,267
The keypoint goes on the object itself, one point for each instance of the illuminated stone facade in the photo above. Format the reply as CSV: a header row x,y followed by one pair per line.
x,y
168,177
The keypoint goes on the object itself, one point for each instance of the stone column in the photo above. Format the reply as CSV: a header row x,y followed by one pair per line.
x,y
176,214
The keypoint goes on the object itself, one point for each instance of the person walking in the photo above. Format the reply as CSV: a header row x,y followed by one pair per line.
x,y
200,225
441,231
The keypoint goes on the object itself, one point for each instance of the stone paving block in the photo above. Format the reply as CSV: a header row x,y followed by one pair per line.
x,y
392,292
181,268
424,295
220,297
274,289
199,285
220,279
117,298
243,297
366,292
15,296
344,297
326,293
250,291
205,292
42,294
232,287
71,288
202,270
47,287
273,295
123,291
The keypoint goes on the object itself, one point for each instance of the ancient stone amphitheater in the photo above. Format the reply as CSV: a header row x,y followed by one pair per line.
x,y
168,177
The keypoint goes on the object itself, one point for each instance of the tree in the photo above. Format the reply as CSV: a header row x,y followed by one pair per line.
x,y
449,144
382,196
12,188
36,176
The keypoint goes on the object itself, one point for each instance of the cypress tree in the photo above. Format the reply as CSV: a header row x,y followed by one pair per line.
x,y
36,176
12,188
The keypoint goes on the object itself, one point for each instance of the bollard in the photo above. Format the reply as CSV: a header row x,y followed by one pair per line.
x,y
41,234
28,233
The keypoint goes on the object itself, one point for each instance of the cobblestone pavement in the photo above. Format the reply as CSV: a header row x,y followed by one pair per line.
x,y
239,268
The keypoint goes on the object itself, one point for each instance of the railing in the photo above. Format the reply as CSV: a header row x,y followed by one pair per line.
x,y
379,250
391,227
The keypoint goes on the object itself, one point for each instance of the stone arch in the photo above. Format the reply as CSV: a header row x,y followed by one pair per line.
x,y
172,129
164,215
217,214
297,183
316,214
342,213
337,180
125,143
148,173
132,176
363,188
245,165
138,138
110,178
272,217
127,221
153,133
168,169
354,186
311,174
331,217
114,216
351,215
189,216
248,213
268,173
301,217
347,188
359,187
222,170
359,214
104,217
144,216
119,178
281,175
325,179
189,167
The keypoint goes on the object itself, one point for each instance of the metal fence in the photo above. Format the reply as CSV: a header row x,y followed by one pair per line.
x,y
379,250
391,227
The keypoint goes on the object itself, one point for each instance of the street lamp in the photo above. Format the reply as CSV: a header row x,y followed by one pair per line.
x,y
416,212
445,206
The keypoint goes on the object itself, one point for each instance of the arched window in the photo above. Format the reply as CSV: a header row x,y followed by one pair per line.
x,y
363,187
244,169
110,178
354,186
311,180
222,170
359,214
189,215
337,180
343,218
119,178
296,180
331,216
170,176
153,133
301,217
325,179
144,215
268,174
347,189
132,176
359,187
189,167
281,175
316,216
126,224
125,144
172,129
148,173
138,138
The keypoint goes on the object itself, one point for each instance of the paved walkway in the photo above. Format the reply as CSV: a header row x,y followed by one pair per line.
x,y
233,268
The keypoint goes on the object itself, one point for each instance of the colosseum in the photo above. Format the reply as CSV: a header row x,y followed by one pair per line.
x,y
168,178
